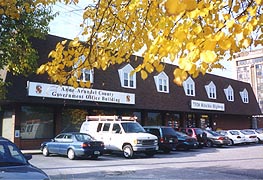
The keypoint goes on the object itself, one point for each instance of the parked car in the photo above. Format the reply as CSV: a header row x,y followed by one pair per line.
x,y
216,139
185,142
258,132
250,136
121,134
73,145
196,133
235,136
167,138
15,165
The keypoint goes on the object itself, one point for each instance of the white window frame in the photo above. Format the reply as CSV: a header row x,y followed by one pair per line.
x,y
189,87
244,96
162,82
85,72
127,80
229,92
211,90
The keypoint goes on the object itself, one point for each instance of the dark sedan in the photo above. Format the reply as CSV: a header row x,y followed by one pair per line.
x,y
15,165
73,145
185,142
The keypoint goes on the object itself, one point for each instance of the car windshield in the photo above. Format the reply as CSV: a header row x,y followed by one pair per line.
x,y
83,137
10,155
132,127
260,131
213,133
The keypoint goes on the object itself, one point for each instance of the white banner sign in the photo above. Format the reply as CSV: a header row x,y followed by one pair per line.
x,y
207,105
83,94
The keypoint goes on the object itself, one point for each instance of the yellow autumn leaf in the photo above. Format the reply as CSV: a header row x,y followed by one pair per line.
x,y
208,56
225,44
144,74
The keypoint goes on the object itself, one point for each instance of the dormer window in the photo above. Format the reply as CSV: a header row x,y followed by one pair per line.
x,y
189,87
162,82
244,96
229,93
86,75
127,79
211,90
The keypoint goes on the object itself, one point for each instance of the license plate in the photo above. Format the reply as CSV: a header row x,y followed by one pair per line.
x,y
96,152
171,141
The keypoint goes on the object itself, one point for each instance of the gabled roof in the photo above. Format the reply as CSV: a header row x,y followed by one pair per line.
x,y
147,97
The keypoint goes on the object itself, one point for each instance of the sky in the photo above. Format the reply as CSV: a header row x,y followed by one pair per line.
x,y
67,25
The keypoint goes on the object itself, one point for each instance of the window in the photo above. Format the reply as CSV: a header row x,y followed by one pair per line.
x,y
162,82
229,93
106,127
36,122
127,79
189,87
211,90
244,96
84,75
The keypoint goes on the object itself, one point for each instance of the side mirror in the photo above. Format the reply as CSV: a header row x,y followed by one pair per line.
x,y
28,156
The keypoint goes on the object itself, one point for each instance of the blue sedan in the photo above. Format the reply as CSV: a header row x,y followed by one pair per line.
x,y
73,145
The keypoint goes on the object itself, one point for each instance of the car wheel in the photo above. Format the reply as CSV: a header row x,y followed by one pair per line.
x,y
166,151
71,154
231,142
209,143
94,157
127,151
45,151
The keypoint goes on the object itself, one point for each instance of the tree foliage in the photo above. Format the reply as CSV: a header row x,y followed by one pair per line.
x,y
197,34
20,21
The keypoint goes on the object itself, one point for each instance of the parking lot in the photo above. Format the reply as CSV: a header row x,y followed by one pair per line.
x,y
230,162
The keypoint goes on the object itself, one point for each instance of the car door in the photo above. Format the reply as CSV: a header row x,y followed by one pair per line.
x,y
105,134
66,142
53,146
116,135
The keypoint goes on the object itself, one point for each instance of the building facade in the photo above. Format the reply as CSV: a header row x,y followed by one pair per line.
x,y
36,109
249,68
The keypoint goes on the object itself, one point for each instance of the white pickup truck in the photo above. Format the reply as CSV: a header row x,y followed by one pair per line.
x,y
120,134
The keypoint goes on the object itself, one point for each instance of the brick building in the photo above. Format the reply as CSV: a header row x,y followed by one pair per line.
x,y
36,109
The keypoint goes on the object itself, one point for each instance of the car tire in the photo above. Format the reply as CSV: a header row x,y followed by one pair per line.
x,y
71,154
94,157
45,151
128,151
166,151
231,142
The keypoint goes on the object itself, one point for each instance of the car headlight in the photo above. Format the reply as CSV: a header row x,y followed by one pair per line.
x,y
137,141
156,141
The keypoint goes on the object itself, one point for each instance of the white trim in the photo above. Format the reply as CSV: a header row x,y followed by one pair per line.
x,y
189,87
229,92
164,82
130,79
211,90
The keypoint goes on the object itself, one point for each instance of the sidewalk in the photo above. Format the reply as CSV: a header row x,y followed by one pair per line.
x,y
32,151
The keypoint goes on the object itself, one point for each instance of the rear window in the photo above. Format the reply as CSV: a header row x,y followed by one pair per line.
x,y
198,131
168,131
